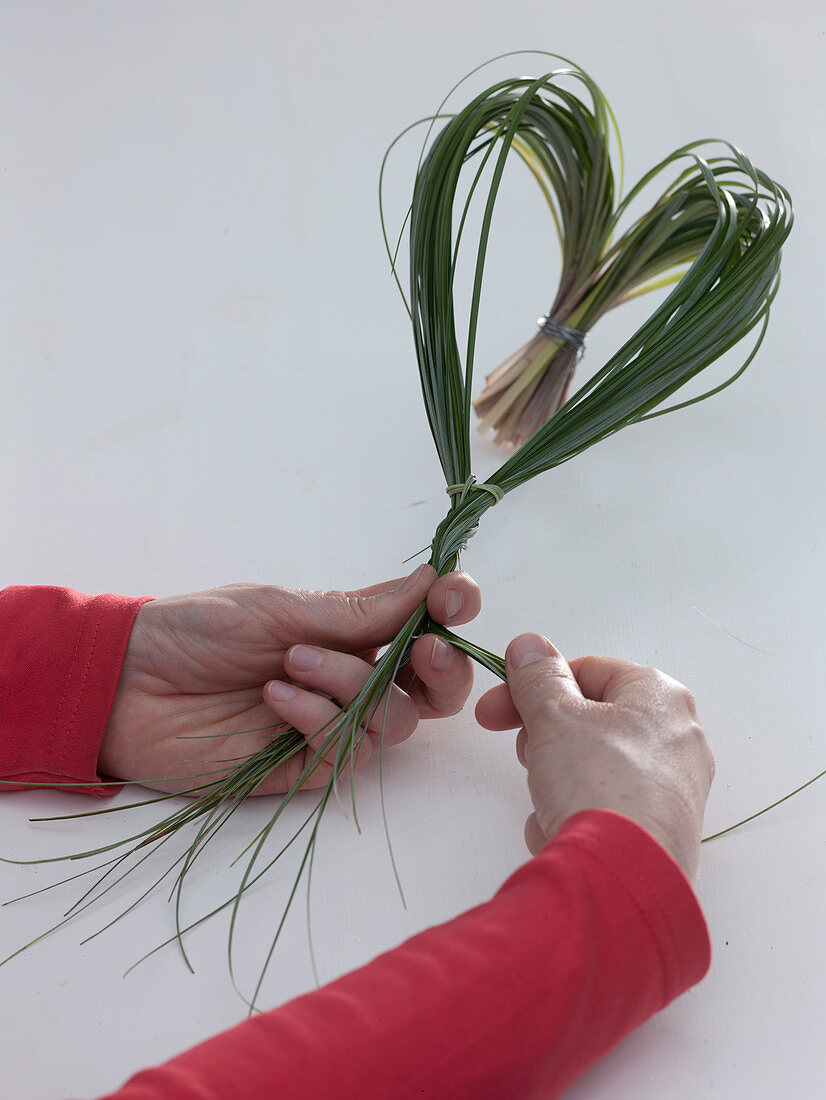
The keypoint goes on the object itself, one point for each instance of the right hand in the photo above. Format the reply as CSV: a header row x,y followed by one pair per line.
x,y
602,733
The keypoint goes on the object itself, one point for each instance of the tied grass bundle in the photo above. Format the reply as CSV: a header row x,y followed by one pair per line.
x,y
566,146
720,215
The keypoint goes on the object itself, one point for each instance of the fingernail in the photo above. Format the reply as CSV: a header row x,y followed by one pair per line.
x,y
280,692
441,655
409,582
528,648
305,658
453,602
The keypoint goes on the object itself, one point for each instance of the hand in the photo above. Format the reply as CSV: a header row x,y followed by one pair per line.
x,y
201,666
602,733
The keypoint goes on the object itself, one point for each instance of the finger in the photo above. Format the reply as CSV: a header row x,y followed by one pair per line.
x,y
343,675
534,837
522,747
539,678
318,718
495,710
454,599
444,677
357,620
613,680
283,778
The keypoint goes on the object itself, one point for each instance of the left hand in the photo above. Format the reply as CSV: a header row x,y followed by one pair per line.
x,y
204,666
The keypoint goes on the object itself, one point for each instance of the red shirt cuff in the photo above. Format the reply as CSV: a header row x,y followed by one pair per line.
x,y
656,885
61,654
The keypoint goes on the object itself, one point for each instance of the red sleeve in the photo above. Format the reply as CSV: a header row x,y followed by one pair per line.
x,y
510,1001
60,659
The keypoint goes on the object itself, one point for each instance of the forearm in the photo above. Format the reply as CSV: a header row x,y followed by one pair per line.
x,y
513,999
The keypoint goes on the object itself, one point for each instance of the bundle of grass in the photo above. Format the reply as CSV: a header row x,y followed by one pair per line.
x,y
720,215
566,146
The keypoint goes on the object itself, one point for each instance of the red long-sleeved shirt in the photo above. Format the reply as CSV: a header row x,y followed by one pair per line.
x,y
513,999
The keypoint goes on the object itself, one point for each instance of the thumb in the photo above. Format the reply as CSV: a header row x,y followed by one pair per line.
x,y
365,618
539,678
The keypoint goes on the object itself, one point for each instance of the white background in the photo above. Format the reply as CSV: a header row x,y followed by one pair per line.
x,y
208,376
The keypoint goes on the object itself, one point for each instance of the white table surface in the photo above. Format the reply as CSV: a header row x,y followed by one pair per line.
x,y
208,377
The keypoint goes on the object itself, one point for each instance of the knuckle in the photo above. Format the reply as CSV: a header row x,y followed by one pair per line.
x,y
444,704
699,747
359,608
677,690
237,586
712,766
541,678
447,690
521,746
687,697
448,710
461,685
409,717
657,680
398,718
277,608
451,698
706,755
589,662
353,612
548,694
667,690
